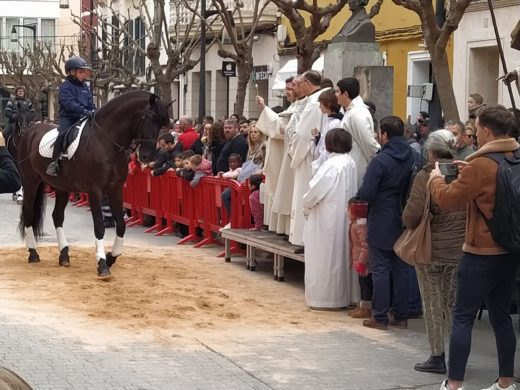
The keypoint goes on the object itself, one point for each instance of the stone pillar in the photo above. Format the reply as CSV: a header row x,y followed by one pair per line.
x,y
342,57
377,85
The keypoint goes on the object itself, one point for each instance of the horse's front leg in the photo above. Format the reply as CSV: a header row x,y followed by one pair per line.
x,y
58,215
99,231
116,206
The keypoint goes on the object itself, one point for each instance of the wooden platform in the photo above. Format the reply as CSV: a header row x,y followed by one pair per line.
x,y
266,241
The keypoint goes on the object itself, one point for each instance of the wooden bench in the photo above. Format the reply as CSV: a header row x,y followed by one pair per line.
x,y
266,241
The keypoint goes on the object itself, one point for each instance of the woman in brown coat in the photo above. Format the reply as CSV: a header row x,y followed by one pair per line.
x,y
437,279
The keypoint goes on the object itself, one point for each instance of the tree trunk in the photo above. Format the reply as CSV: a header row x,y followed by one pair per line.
x,y
165,85
304,54
244,69
441,71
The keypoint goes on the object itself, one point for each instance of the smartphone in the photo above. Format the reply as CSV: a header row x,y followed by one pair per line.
x,y
449,169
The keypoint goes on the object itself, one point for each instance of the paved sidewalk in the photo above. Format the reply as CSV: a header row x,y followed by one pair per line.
x,y
49,355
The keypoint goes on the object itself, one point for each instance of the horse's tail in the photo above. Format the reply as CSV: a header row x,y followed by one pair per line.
x,y
38,213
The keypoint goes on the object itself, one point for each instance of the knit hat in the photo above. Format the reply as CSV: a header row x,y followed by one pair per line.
x,y
442,141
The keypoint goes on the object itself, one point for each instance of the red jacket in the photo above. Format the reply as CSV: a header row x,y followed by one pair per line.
x,y
205,166
188,138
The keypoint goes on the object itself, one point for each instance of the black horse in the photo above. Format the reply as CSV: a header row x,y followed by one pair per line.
x,y
24,119
99,167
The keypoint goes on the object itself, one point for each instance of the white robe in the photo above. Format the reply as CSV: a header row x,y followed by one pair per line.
x,y
270,124
328,277
301,152
320,152
359,123
284,188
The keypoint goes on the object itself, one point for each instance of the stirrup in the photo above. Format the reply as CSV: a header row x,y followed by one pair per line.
x,y
53,169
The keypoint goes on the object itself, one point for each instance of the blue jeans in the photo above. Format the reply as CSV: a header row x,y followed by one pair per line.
x,y
482,279
382,263
414,294
226,201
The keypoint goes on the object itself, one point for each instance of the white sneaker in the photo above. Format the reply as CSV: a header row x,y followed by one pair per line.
x,y
495,386
444,386
227,226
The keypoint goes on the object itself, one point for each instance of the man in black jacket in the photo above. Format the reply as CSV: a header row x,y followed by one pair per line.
x,y
19,102
9,178
234,144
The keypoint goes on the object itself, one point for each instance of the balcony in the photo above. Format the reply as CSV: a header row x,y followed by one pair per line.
x,y
269,18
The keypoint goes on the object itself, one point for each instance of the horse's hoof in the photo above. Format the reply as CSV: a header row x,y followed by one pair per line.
x,y
111,259
34,257
64,260
103,271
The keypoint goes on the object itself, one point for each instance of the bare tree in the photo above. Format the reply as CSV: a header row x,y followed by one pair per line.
x,y
240,28
437,38
37,67
124,47
307,30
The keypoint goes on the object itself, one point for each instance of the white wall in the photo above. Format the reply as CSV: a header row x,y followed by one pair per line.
x,y
476,33
264,53
28,9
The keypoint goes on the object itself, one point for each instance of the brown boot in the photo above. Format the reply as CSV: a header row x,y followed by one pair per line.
x,y
372,323
364,311
353,310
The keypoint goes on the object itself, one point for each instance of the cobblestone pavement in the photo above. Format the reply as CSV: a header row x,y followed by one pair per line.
x,y
47,353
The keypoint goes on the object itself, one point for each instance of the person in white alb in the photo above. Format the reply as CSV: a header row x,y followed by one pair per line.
x,y
359,123
273,125
302,148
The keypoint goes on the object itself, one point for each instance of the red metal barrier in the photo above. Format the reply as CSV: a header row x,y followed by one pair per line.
x,y
172,198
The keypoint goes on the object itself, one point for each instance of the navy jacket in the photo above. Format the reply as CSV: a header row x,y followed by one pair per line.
x,y
386,176
75,100
236,145
9,178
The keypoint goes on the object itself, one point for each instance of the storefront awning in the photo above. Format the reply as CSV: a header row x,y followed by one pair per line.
x,y
290,69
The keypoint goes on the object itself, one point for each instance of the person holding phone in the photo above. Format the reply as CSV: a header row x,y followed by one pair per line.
x,y
437,280
486,272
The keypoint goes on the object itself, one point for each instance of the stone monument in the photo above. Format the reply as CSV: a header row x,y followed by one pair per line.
x,y
355,47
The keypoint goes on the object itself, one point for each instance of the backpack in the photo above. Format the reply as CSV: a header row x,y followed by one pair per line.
x,y
505,223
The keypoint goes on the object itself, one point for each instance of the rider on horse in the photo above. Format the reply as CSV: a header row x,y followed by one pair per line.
x,y
75,103
19,102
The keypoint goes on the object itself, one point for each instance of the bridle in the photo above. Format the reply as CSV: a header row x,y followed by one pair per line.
x,y
142,117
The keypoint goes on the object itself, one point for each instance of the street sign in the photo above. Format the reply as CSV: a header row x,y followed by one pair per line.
x,y
229,69
260,73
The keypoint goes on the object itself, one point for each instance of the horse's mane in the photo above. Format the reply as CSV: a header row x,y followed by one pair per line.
x,y
115,102
160,109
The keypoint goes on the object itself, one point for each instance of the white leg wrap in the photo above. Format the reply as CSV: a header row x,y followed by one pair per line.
x,y
62,240
100,250
20,192
30,241
117,248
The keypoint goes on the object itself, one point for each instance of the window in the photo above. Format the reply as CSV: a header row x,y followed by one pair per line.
x,y
48,31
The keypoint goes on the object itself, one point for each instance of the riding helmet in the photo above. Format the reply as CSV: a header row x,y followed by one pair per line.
x,y
76,63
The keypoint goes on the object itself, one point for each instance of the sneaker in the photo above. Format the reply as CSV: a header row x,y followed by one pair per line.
x,y
373,324
444,386
495,386
227,226
53,169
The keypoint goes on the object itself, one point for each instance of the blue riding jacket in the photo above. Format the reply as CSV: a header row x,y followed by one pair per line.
x,y
75,102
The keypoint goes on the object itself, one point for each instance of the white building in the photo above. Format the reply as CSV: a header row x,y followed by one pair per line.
x,y
42,20
476,61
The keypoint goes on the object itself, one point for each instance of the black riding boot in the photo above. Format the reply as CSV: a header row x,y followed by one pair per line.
x,y
53,168
434,364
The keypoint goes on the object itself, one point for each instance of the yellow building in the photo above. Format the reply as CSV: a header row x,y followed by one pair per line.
x,y
399,36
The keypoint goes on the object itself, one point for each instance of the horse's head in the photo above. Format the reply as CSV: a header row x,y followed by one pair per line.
x,y
24,118
153,119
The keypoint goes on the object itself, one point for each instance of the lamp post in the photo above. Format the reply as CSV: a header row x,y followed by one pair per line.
x,y
202,64
14,34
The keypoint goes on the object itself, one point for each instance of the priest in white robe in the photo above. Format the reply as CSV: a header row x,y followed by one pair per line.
x,y
284,189
328,280
302,150
273,126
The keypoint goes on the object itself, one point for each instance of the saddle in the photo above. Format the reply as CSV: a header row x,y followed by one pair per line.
x,y
70,141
